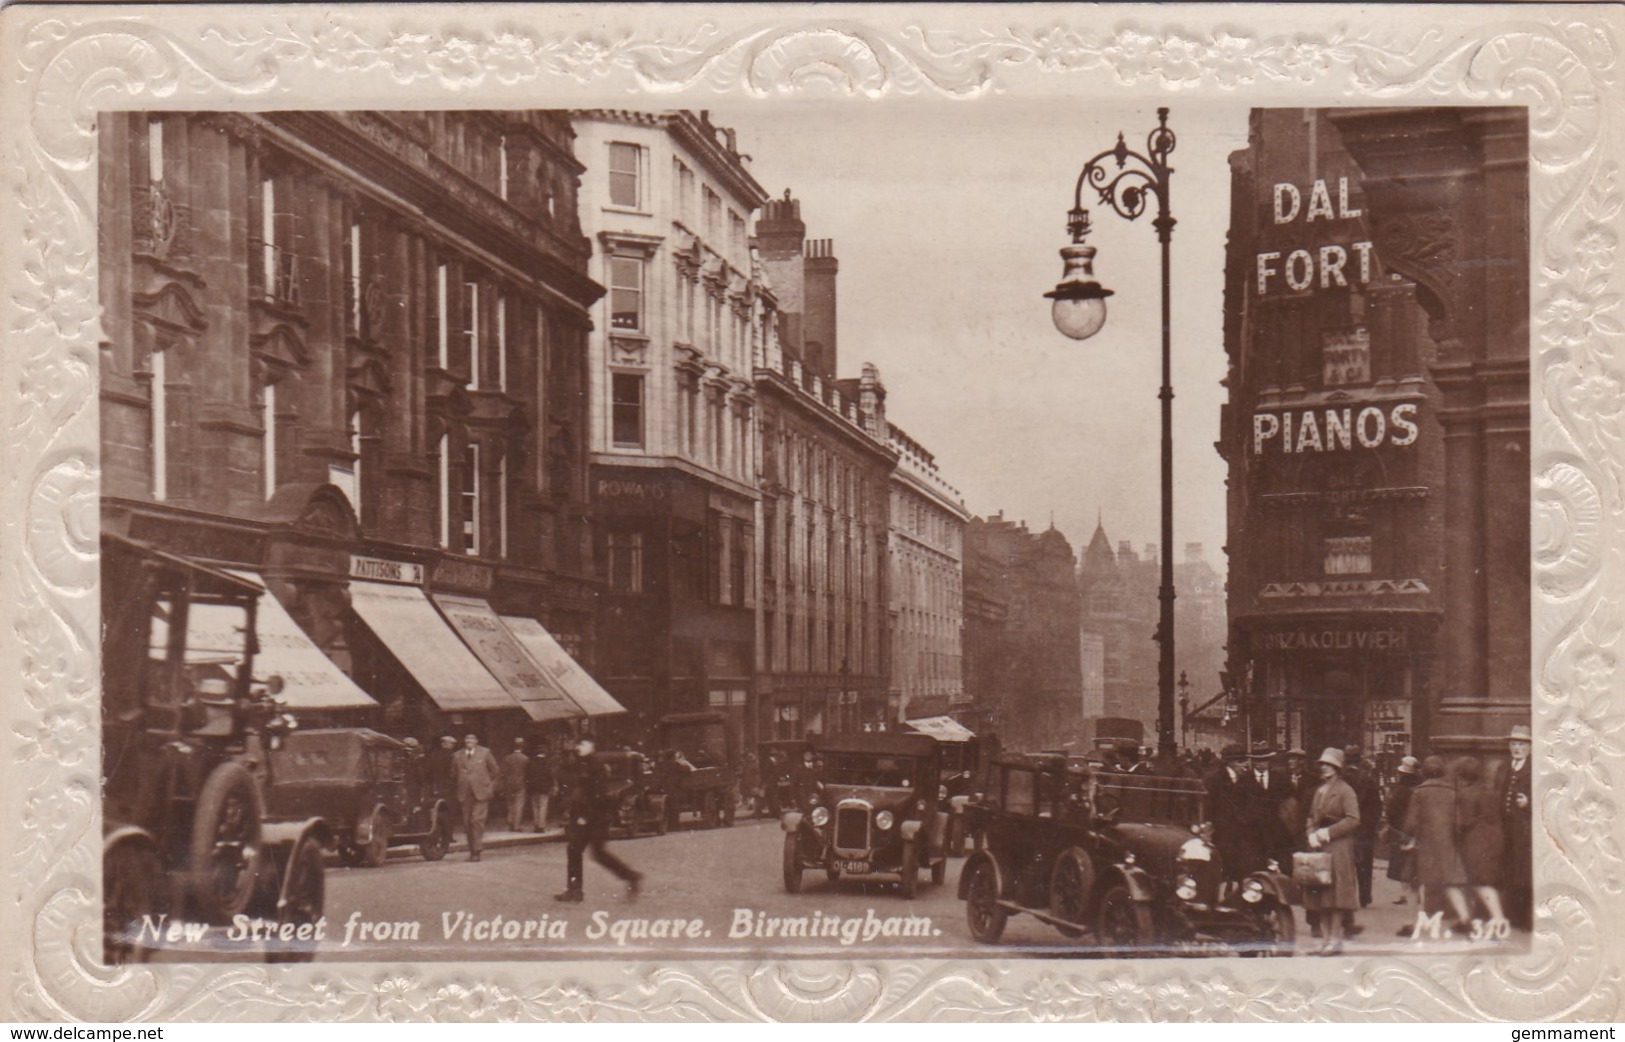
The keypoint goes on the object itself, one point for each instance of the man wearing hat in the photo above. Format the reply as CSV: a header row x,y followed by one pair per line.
x,y
1401,846
515,770
1517,819
1263,791
477,773
1232,808
1369,795
442,772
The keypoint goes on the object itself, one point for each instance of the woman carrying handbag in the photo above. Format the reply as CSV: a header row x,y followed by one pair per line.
x,y
1334,817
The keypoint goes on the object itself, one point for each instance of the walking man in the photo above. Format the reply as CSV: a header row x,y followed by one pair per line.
x,y
1369,795
442,770
515,768
539,780
477,773
588,825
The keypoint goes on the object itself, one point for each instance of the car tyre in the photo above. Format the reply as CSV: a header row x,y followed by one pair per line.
x,y
132,886
983,914
306,886
223,857
1071,884
1280,934
792,864
1124,923
939,871
436,843
910,872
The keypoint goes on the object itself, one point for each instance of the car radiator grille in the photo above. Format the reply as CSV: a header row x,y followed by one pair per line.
x,y
852,828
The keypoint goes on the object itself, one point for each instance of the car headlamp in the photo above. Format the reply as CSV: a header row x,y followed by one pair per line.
x,y
1195,849
1252,891
1185,888
884,820
820,816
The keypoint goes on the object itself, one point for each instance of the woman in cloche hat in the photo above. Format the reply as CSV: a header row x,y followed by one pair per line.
x,y
1334,817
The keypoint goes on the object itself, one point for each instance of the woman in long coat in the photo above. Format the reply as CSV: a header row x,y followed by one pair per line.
x,y
1478,832
1431,822
1401,851
1334,817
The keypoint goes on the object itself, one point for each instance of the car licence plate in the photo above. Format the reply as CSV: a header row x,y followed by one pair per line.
x,y
851,867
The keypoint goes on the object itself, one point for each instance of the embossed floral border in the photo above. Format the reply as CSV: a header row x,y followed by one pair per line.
x,y
64,64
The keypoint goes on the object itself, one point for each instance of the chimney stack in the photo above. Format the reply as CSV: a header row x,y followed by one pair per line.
x,y
818,321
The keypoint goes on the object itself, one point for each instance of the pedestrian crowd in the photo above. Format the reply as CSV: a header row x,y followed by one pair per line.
x,y
1457,835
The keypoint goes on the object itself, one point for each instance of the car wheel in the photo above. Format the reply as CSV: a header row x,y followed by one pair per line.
x,y
1278,937
939,871
1125,924
1070,886
306,887
983,913
792,864
436,843
224,854
910,873
132,886
377,850
352,855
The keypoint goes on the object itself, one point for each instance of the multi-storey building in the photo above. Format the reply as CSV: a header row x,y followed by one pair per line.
x,y
345,353
667,203
825,468
928,518
1023,661
1378,524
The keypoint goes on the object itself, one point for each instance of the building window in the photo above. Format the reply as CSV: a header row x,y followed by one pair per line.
x,y
471,499
626,294
625,162
1345,357
713,217
685,193
443,488
352,257
443,354
471,331
625,562
736,233
268,419
1348,555
502,166
502,507
502,343
159,431
155,151
626,410
355,467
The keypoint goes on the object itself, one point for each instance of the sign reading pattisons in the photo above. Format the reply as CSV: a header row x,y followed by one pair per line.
x,y
1323,265
380,570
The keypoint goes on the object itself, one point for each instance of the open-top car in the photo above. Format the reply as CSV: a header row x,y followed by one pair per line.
x,y
697,766
366,786
876,810
638,805
1120,858
965,757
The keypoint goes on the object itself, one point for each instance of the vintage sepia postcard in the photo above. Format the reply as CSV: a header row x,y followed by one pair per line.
x,y
892,512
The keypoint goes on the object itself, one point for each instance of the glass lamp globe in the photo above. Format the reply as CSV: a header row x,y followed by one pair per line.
x,y
1079,308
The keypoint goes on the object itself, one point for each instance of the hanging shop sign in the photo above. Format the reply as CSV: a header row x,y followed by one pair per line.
x,y
378,569
1331,638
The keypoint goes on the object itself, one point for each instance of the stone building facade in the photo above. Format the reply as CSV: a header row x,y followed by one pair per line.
x,y
822,659
667,204
1376,431
927,616
345,349
1023,666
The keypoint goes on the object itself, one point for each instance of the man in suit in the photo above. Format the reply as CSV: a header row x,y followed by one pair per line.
x,y
1265,789
588,804
442,770
477,773
1517,822
1369,796
515,772
1229,807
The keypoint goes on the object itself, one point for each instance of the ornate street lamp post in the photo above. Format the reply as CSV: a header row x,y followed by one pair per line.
x,y
1079,312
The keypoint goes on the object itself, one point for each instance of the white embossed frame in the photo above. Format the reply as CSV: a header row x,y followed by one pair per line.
x,y
69,63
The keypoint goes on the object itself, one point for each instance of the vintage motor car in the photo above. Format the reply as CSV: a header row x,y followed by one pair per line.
x,y
639,806
368,788
697,766
876,810
186,733
1121,858
964,767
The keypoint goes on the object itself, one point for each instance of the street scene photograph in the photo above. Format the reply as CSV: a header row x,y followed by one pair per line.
x,y
815,530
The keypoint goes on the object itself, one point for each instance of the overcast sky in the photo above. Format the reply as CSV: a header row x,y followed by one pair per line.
x,y
947,218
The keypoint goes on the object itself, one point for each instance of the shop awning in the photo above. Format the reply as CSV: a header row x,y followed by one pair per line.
x,y
426,645
942,728
310,679
561,669
486,636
